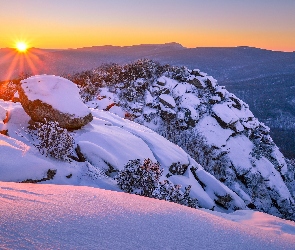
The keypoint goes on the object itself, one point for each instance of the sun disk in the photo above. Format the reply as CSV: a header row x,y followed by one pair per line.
x,y
21,47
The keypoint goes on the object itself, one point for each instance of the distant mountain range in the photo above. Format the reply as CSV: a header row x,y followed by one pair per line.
x,y
264,79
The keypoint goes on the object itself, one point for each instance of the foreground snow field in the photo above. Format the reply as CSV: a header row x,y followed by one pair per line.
x,y
41,216
241,169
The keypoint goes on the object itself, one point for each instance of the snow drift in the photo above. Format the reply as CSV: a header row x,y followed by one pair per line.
x,y
69,217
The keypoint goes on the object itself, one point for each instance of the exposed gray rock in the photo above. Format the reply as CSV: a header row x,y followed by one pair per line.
x,y
161,81
194,81
167,101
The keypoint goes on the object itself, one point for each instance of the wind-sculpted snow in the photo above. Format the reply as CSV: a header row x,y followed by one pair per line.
x,y
35,216
18,163
213,126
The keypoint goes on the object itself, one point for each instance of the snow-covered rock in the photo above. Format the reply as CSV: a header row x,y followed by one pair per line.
x,y
224,114
167,100
161,81
55,99
221,138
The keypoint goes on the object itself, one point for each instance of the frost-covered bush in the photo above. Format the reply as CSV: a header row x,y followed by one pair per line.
x,y
290,175
166,190
88,83
143,179
7,90
140,178
52,140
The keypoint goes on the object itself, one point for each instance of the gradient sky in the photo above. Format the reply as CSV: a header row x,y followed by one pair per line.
x,y
266,24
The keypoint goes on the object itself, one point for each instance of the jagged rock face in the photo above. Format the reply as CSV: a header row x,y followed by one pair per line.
x,y
217,129
55,99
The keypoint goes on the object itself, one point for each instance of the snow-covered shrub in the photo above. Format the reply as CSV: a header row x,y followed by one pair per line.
x,y
9,88
166,190
143,179
170,192
178,168
140,178
290,176
187,200
88,91
52,140
88,84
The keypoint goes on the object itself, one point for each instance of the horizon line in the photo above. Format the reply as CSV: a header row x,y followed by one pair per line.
x,y
155,44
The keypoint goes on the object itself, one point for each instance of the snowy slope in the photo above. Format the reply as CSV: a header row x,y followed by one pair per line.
x,y
34,216
215,127
107,144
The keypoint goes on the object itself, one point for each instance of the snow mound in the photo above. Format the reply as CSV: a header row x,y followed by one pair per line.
x,y
54,98
18,163
68,217
57,91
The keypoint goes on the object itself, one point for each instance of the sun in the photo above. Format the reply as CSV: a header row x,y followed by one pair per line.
x,y
21,47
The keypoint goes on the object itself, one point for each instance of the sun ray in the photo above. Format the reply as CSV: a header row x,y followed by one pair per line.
x,y
23,59
12,67
21,64
8,56
31,64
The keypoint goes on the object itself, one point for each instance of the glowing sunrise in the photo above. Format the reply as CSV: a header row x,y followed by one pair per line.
x,y
193,23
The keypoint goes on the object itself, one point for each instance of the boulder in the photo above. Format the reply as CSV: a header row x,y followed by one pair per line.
x,y
53,98
196,82
167,100
161,81
196,72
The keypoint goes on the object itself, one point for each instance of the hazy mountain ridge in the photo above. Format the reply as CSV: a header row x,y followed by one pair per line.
x,y
216,61
240,69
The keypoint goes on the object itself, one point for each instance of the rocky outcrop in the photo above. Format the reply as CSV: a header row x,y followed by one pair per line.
x,y
220,132
49,176
54,98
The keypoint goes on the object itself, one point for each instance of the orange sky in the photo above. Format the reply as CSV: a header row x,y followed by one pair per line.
x,y
266,24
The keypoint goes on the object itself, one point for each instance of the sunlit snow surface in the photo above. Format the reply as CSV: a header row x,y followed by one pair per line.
x,y
34,216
